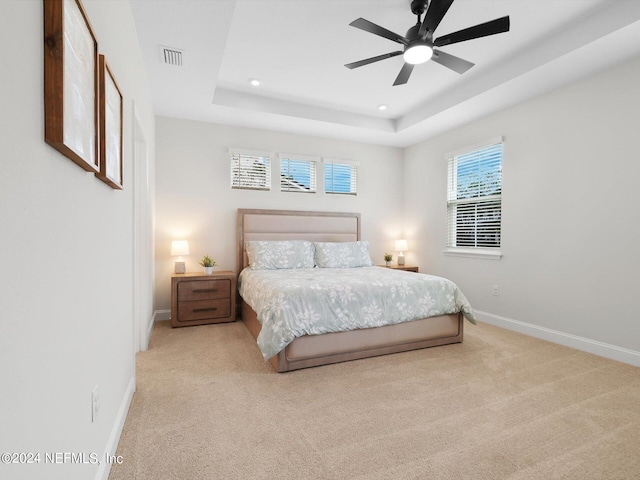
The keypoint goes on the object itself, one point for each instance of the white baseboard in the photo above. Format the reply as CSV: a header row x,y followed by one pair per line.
x,y
580,343
161,315
152,321
157,315
116,431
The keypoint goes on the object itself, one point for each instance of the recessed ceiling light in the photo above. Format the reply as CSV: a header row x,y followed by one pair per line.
x,y
254,81
382,108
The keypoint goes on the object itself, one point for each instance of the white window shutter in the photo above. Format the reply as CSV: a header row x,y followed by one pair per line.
x,y
340,177
474,198
250,170
297,174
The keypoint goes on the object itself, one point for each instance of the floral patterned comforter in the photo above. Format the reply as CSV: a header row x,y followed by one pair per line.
x,y
308,301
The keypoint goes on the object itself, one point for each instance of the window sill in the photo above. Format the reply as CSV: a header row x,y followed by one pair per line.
x,y
486,253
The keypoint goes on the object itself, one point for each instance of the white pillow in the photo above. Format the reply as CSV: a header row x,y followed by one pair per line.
x,y
342,254
272,255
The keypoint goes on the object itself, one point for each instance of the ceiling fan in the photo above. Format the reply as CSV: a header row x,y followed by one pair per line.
x,y
419,42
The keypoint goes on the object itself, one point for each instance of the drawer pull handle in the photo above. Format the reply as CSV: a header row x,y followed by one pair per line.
x,y
213,309
206,290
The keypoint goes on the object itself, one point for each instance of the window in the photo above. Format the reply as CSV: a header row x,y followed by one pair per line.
x,y
340,176
297,174
249,169
474,203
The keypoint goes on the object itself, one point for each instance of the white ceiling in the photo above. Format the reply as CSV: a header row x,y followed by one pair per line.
x,y
298,48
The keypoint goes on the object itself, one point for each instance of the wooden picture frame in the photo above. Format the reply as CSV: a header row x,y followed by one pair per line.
x,y
71,83
110,128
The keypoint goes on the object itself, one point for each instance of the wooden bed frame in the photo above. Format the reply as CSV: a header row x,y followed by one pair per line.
x,y
316,350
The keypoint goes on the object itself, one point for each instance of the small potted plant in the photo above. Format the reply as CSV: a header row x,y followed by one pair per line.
x,y
208,263
387,258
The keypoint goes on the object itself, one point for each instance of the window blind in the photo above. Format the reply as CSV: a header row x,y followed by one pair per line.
x,y
340,178
474,198
297,175
250,170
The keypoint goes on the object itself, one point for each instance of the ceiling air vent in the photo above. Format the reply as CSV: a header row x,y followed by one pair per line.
x,y
171,56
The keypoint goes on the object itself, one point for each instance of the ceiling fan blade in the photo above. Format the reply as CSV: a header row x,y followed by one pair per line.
x,y
367,61
367,26
499,25
435,13
456,64
403,76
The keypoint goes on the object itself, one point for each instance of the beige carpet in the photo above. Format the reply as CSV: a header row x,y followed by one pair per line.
x,y
501,405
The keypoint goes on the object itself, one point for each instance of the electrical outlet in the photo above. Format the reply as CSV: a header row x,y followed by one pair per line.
x,y
95,404
496,290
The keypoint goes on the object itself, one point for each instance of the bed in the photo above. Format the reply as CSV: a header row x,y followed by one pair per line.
x,y
332,229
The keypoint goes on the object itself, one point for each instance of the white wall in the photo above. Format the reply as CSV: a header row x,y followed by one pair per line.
x,y
571,264
194,199
66,255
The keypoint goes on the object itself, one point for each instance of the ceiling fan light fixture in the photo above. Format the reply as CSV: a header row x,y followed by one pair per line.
x,y
418,53
418,42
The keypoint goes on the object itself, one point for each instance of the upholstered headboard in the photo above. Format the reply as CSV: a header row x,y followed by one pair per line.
x,y
294,225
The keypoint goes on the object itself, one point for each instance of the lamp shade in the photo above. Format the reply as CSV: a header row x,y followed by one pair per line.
x,y
401,245
179,248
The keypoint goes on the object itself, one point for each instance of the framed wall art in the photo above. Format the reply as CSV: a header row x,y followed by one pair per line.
x,y
71,83
110,127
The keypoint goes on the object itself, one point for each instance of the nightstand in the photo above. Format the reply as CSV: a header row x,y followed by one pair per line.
x,y
406,268
198,299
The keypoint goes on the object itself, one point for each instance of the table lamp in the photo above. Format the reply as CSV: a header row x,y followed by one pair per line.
x,y
401,246
178,249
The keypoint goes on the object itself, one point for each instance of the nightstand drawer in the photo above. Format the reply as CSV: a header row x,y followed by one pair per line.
x,y
203,309
204,290
199,299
